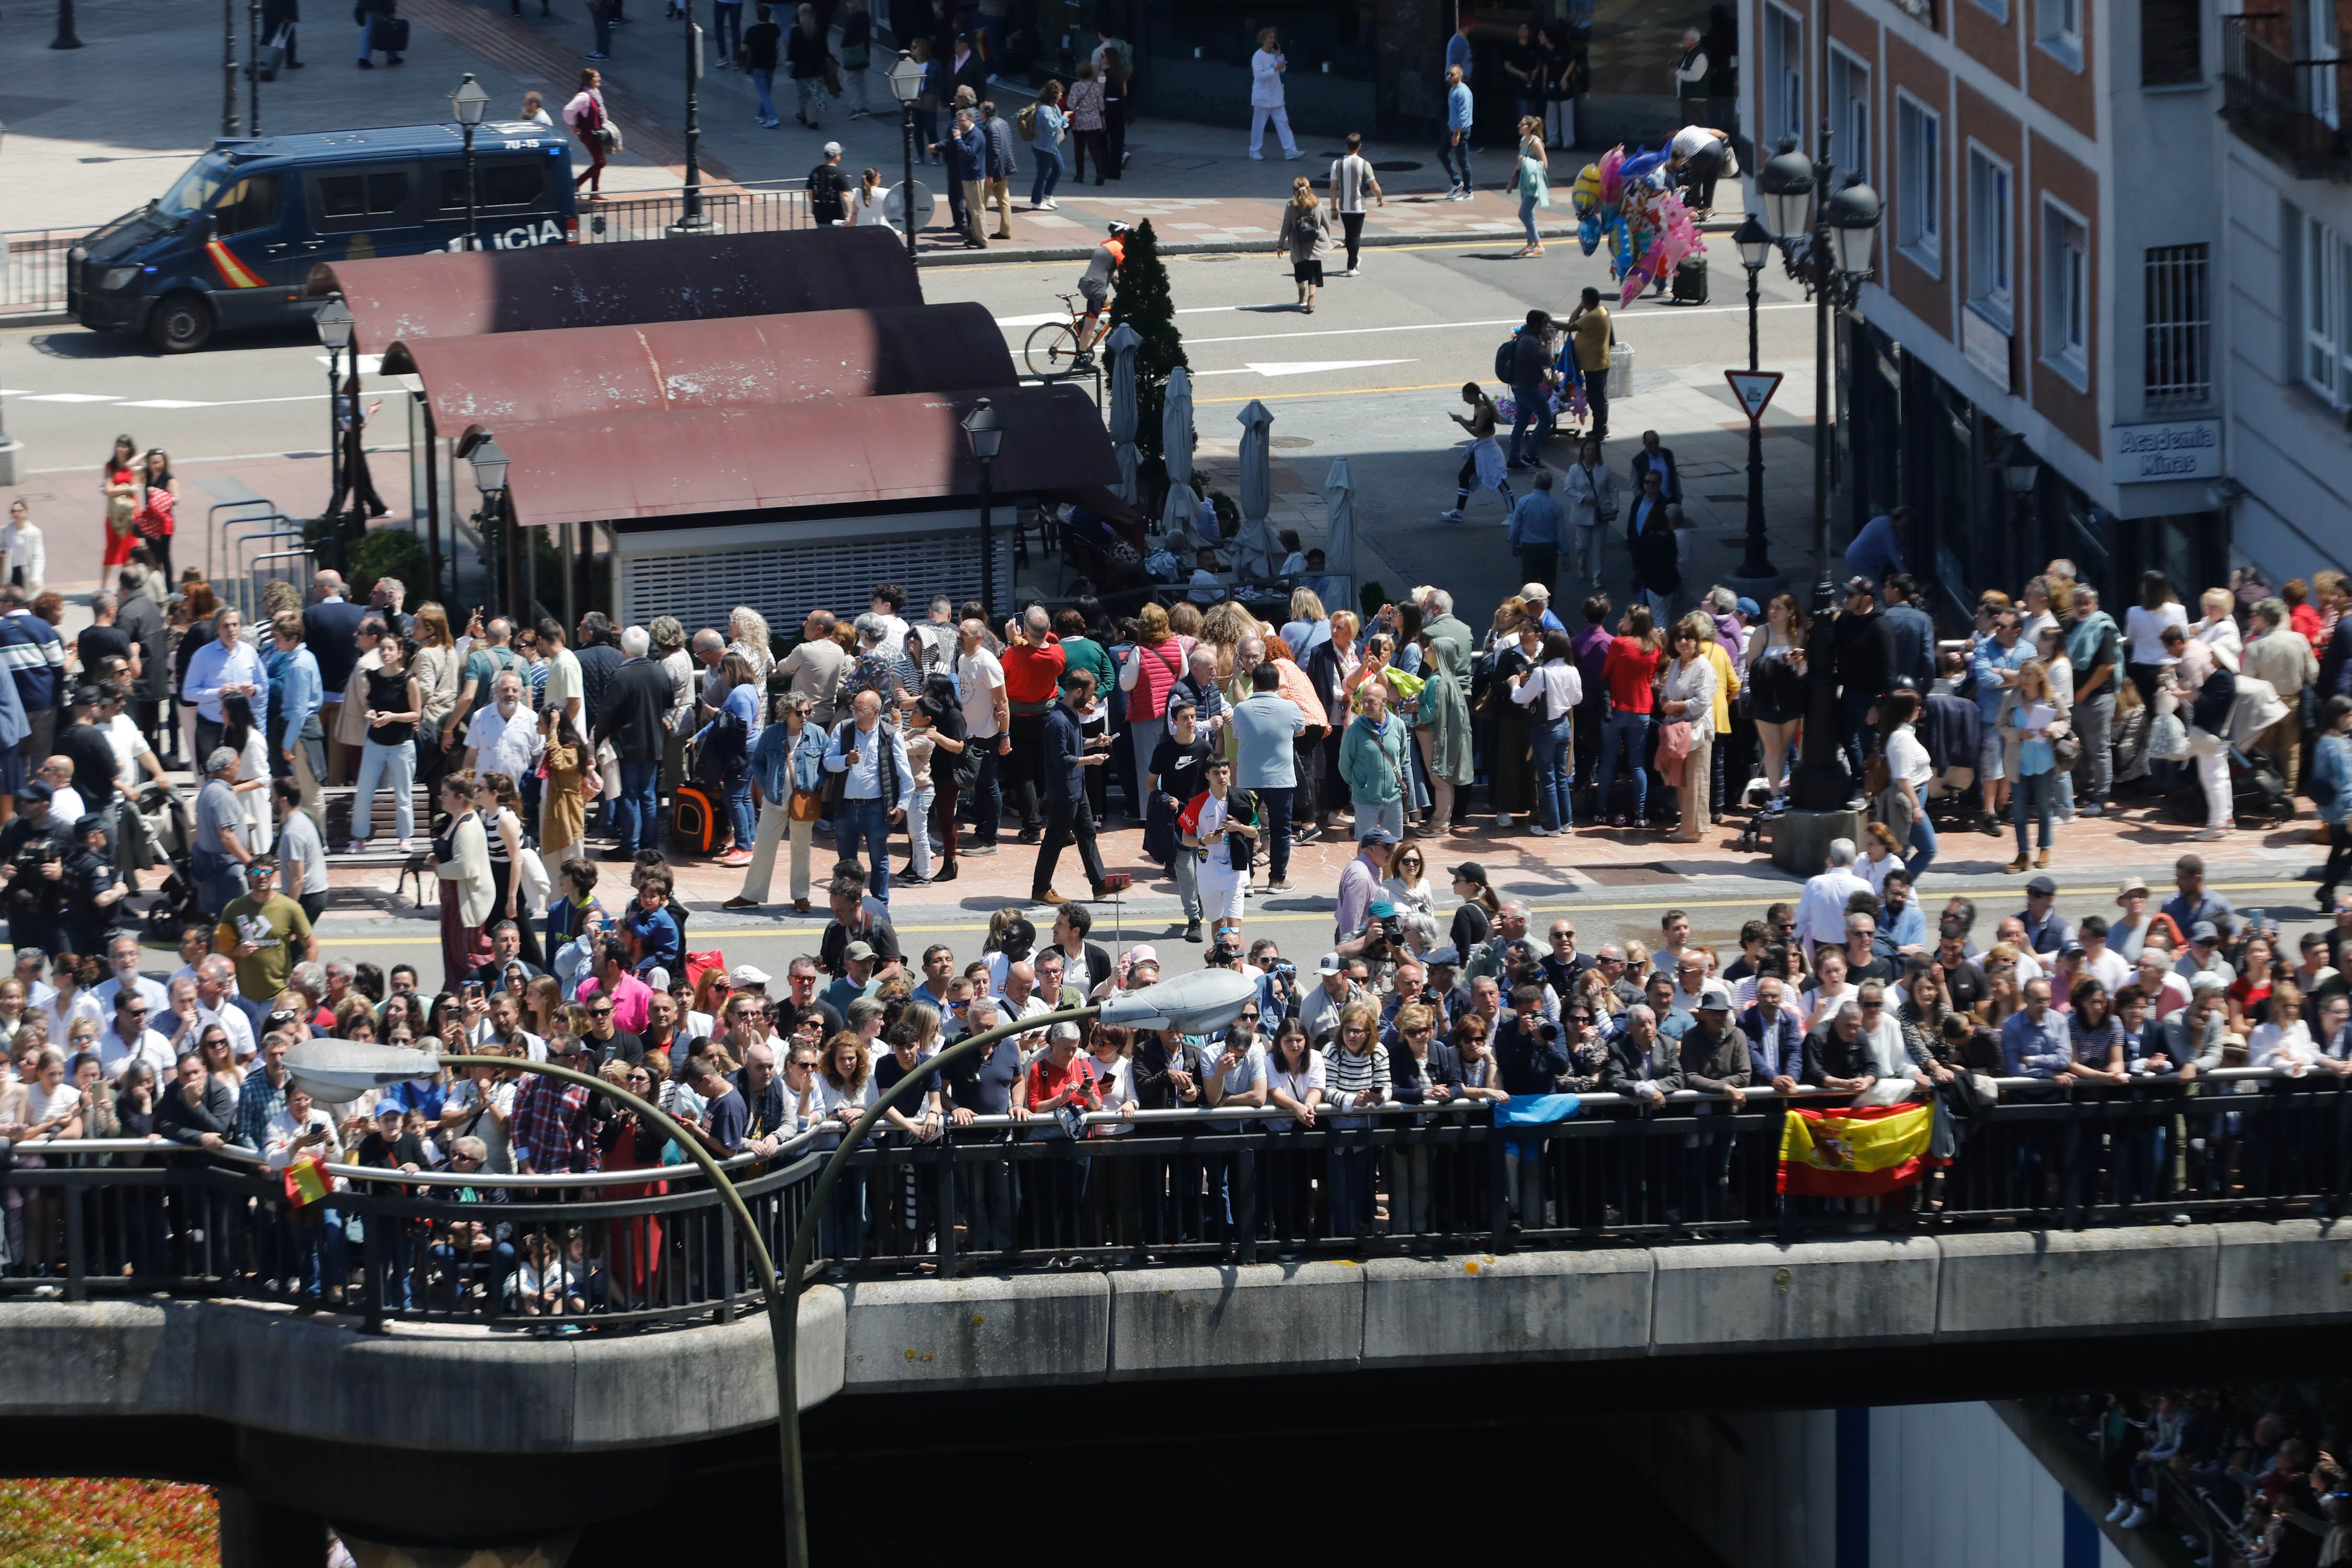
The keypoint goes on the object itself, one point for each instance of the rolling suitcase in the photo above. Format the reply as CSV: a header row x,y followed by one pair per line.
x,y
270,57
1690,280
693,825
391,36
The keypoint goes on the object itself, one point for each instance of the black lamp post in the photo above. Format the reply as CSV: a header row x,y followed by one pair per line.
x,y
66,38
985,432
907,86
1755,243
469,102
2020,475
690,216
489,460
253,67
228,67
335,324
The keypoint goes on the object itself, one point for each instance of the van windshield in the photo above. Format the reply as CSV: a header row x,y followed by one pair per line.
x,y
194,190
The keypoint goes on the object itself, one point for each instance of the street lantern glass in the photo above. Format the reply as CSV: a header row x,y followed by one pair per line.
x,y
906,80
1755,243
1786,184
1852,214
1201,1003
489,460
982,428
335,324
336,1072
2020,470
470,101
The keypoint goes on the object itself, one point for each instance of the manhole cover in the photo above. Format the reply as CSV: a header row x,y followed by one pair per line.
x,y
1291,441
1230,255
1396,166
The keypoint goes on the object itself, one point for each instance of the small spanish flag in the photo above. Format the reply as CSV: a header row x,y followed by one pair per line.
x,y
305,1181
1856,1152
234,273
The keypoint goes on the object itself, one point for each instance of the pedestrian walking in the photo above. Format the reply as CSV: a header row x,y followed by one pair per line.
x,y
806,54
1589,326
1266,67
1538,530
118,482
1484,466
1305,239
761,42
1533,182
1001,167
586,116
1531,379
1454,142
726,32
1068,817
1087,126
379,28
1047,124
1351,178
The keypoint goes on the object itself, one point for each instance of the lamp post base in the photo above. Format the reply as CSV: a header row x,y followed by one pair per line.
x,y
688,227
11,453
1800,839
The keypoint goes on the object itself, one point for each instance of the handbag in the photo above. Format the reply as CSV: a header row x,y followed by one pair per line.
x,y
2066,750
806,806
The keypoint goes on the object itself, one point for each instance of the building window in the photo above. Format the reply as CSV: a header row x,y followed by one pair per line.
x,y
2058,29
2326,267
1919,183
2179,330
1781,111
2065,293
2172,43
1989,239
1849,103
1998,8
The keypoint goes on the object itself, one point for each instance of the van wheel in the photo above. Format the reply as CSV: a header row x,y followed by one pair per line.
x,y
182,324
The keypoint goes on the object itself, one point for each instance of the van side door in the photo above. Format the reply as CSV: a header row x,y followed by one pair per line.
x,y
257,250
366,210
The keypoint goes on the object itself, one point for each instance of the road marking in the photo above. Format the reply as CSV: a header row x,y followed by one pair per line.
x,y
1302,367
1624,318
370,365
1049,317
73,398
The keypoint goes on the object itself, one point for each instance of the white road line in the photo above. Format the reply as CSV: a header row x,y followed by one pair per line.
x,y
73,398
1623,319
1303,367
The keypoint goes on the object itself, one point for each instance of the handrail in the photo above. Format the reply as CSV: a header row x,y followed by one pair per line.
x,y
213,530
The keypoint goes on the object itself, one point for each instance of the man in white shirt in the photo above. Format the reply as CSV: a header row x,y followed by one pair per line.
x,y
65,800
988,729
1820,912
133,755
504,737
216,1004
129,1039
122,958
888,600
226,667
2100,961
565,689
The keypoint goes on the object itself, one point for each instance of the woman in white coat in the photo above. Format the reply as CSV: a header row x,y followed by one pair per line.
x,y
1591,494
461,859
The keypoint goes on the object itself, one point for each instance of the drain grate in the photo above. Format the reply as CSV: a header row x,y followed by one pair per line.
x,y
1290,441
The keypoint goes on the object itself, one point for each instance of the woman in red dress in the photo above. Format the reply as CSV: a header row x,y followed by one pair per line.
x,y
119,483
629,1145
159,499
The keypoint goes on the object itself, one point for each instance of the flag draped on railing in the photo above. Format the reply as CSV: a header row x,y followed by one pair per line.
x,y
1854,1152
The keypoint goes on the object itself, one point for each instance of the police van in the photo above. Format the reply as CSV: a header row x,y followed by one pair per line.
x,y
231,243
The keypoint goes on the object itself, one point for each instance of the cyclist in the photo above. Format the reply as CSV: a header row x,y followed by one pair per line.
x,y
1096,286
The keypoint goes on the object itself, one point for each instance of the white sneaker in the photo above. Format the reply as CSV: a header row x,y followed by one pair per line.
x,y
1257,157
1453,516
2134,1520
2123,1506
2211,834
1540,831
1351,272
1501,819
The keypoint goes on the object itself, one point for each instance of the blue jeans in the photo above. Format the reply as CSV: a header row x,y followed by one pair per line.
x,y
2033,795
1923,845
1527,217
1860,739
1533,408
862,827
393,768
1633,730
764,82
1455,158
1049,172
726,27
636,815
1550,740
739,810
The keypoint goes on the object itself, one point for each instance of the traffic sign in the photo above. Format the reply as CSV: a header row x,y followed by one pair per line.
x,y
1754,388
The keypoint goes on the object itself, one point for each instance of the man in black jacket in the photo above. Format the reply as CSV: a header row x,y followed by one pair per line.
x,y
197,1111
1863,655
1528,1053
1530,388
631,721
1067,815
1837,1055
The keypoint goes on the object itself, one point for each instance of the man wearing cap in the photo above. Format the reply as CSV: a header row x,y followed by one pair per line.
x,y
826,187
1714,1061
1862,653
2046,935
260,931
2127,930
857,978
1360,882
1537,598
1318,1010
2203,955
2193,903
94,889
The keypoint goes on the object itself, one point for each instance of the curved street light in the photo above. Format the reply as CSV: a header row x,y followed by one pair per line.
x,y
1198,1003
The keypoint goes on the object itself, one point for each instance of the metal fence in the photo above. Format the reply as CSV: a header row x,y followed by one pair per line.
x,y
33,281
626,1248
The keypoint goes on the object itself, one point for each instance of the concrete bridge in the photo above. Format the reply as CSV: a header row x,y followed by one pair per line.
x,y
513,1434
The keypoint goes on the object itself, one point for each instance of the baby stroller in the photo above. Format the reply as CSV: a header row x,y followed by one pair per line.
x,y
160,833
2258,796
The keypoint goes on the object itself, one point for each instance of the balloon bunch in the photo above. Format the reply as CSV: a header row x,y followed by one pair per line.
x,y
1631,202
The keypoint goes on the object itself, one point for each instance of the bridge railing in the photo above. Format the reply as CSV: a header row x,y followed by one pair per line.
x,y
619,1248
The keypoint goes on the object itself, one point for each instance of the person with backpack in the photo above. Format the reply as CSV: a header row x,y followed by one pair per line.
x,y
1523,362
1042,124
828,189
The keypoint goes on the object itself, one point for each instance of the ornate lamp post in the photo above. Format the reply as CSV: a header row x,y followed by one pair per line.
x,y
907,86
985,433
469,102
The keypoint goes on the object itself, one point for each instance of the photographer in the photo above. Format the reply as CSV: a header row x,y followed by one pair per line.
x,y
33,852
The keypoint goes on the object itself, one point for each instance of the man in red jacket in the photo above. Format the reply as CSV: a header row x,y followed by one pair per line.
x,y
1033,662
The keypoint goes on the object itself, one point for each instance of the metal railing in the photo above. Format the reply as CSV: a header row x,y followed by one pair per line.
x,y
633,1246
2295,110
34,279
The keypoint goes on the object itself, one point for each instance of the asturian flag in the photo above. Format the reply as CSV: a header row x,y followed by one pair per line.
x,y
1855,1152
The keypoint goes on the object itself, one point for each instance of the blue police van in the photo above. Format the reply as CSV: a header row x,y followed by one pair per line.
x,y
231,243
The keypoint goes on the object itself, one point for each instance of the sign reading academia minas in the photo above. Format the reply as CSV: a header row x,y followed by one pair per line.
x,y
2181,449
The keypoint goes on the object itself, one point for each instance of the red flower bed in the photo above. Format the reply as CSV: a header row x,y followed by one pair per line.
x,y
78,1523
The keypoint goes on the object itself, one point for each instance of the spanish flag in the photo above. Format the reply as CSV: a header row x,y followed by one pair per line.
x,y
1857,1152
305,1181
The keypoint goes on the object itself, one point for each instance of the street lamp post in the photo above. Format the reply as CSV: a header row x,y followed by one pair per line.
x,y
690,216
253,67
985,433
66,38
469,102
228,67
1828,252
1755,245
489,460
907,86
2021,474
1199,1003
335,324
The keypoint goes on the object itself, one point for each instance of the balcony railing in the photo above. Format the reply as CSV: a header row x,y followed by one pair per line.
x,y
624,1248
2293,109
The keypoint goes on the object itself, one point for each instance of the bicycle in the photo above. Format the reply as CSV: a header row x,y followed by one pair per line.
x,y
1053,349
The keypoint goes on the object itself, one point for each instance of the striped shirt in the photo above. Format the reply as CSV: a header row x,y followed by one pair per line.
x,y
1353,175
1347,1075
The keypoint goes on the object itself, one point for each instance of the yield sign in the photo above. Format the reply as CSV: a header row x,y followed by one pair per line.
x,y
1754,388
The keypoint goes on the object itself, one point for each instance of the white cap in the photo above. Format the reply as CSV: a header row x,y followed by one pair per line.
x,y
746,975
833,149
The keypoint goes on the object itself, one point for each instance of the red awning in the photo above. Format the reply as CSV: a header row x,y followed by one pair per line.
x,y
828,456
818,355
445,294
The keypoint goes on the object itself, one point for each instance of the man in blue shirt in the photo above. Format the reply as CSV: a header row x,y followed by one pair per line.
x,y
1538,530
1458,48
872,794
1994,662
2034,1042
297,737
1877,551
35,657
1453,145
2192,903
1903,924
